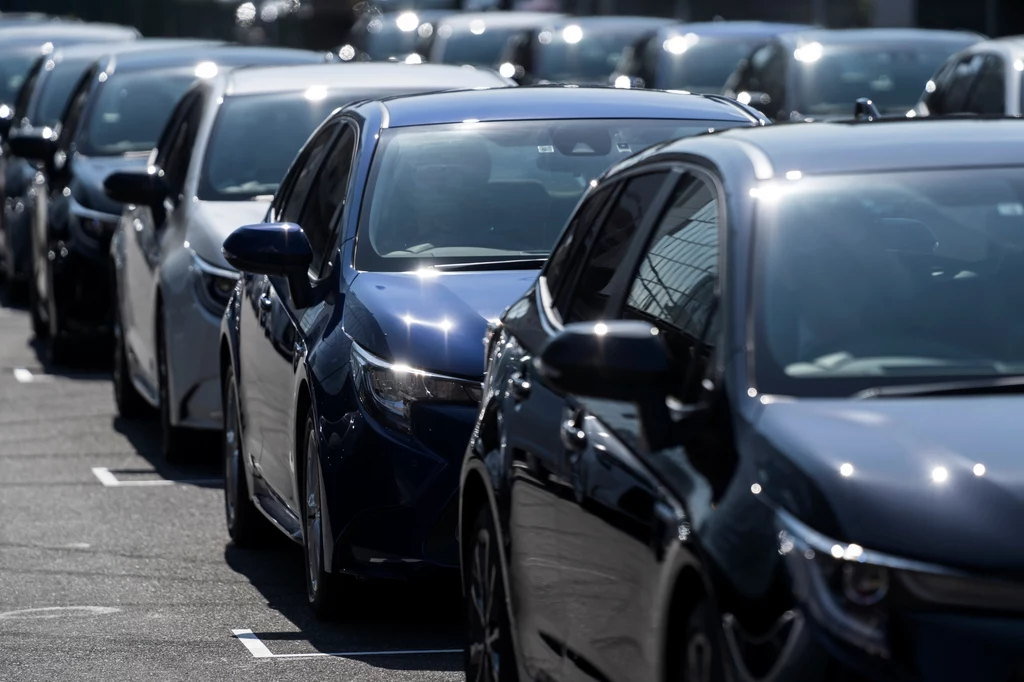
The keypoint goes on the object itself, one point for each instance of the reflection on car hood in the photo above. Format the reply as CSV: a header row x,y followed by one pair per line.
x,y
433,323
213,221
915,489
89,172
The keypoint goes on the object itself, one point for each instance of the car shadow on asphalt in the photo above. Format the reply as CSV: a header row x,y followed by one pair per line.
x,y
423,614
200,466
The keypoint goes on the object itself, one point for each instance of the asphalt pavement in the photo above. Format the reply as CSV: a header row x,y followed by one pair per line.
x,y
114,566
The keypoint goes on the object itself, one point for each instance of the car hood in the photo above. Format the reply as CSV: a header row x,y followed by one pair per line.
x,y
938,479
432,323
89,172
213,221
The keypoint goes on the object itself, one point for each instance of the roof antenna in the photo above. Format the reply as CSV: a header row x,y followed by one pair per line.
x,y
865,110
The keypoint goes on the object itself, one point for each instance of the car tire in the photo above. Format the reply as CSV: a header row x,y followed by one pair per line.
x,y
702,655
130,404
322,588
246,525
490,654
175,442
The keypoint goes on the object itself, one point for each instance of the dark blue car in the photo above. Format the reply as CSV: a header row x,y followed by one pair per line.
x,y
352,359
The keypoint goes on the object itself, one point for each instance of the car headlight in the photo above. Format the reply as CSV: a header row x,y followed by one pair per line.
x,y
213,285
389,390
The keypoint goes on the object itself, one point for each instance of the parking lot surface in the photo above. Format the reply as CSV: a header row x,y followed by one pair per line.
x,y
114,566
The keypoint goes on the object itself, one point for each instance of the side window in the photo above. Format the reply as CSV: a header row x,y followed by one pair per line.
x,y
773,83
289,210
583,220
25,92
989,93
322,212
648,67
73,114
951,89
674,285
605,248
175,161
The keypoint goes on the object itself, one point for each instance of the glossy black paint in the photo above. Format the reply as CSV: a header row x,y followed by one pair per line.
x,y
609,543
34,144
135,187
268,249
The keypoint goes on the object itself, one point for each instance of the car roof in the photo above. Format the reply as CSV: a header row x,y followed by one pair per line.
x,y
462,20
611,23
879,146
424,15
1013,45
97,50
735,28
227,55
356,76
55,32
892,36
557,102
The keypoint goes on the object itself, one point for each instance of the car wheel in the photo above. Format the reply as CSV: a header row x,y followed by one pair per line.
x,y
246,525
321,587
702,655
490,656
130,404
174,441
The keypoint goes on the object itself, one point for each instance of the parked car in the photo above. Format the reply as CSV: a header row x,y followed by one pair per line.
x,y
479,38
351,348
696,57
581,50
112,122
40,103
984,79
815,75
393,36
241,132
759,428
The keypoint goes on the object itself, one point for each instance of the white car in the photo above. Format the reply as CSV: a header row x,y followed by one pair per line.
x,y
986,79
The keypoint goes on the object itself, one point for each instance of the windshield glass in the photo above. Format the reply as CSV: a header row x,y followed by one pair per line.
x,y
385,39
130,112
703,66
884,279
574,55
476,49
255,139
14,68
54,91
483,192
893,77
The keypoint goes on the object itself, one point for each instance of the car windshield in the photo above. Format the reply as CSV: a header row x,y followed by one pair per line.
x,y
829,81
480,192
130,111
393,36
896,278
699,64
573,54
54,91
255,139
14,68
473,48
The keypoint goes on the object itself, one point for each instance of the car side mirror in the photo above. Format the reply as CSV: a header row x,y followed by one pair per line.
x,y
276,250
33,144
6,120
142,187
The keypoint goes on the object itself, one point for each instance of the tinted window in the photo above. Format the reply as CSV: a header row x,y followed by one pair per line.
x,y
489,191
255,140
988,96
892,278
585,55
384,38
25,92
130,111
305,171
607,247
832,79
176,164
583,221
466,47
14,68
55,90
699,64
326,197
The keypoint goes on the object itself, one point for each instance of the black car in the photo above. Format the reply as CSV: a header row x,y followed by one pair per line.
x,y
404,36
111,123
758,418
582,50
41,101
814,75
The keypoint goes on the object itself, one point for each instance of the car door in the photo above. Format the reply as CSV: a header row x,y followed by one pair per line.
x,y
288,325
621,515
147,237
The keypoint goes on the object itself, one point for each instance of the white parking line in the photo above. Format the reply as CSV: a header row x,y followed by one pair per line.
x,y
108,479
259,650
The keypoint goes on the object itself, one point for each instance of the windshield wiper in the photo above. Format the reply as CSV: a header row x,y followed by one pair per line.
x,y
517,264
1002,385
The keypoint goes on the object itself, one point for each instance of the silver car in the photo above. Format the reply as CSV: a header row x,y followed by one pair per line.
x,y
227,146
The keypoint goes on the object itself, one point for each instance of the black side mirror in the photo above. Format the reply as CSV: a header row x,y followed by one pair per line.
x,y
274,249
142,188
6,120
33,144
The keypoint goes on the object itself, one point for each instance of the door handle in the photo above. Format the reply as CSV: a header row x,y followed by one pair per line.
x,y
266,303
573,437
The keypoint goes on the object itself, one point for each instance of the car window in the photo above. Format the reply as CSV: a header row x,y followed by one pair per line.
x,y
702,64
55,89
606,248
947,93
27,88
176,163
584,220
479,46
72,116
327,193
766,74
566,56
290,210
988,96
674,285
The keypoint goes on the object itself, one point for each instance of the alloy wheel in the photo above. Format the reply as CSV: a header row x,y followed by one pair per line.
x,y
484,606
313,520
232,455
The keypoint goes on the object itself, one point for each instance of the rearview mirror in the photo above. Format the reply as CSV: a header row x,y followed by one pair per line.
x,y
33,144
274,249
143,188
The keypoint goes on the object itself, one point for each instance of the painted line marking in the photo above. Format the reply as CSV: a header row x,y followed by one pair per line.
x,y
108,479
58,611
259,650
25,376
